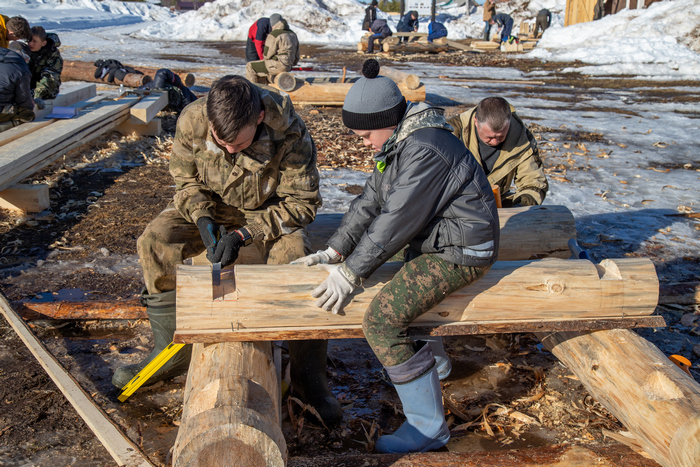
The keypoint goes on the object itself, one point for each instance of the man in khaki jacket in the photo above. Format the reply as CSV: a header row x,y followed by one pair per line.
x,y
489,11
506,150
281,53
245,173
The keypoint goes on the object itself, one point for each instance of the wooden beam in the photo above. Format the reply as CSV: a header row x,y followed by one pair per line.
x,y
25,198
120,447
452,329
152,128
485,45
21,158
145,110
655,400
568,455
263,296
415,47
85,309
458,45
76,94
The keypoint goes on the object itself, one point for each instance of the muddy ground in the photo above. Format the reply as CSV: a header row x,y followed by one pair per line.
x,y
84,247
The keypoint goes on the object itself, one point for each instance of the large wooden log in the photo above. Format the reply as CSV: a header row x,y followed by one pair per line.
x,y
73,72
231,410
258,297
75,68
410,80
415,47
657,402
334,93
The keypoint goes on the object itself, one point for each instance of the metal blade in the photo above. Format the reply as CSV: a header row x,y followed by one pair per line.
x,y
216,274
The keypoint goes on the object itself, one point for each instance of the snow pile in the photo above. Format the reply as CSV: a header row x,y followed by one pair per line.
x,y
660,41
228,20
83,14
337,21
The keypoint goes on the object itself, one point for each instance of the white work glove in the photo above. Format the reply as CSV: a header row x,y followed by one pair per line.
x,y
328,256
333,293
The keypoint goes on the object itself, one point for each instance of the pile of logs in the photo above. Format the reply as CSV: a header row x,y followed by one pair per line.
x,y
85,71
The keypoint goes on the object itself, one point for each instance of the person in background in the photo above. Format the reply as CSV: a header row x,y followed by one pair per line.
x,y
370,15
280,54
409,23
379,30
426,192
544,19
505,25
255,45
505,149
436,30
179,95
13,29
16,105
46,64
489,12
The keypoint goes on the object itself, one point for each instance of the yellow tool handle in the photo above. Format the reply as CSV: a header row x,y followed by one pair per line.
x,y
149,370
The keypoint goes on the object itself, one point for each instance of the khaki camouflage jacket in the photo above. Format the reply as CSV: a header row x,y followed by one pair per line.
x,y
518,162
276,175
282,45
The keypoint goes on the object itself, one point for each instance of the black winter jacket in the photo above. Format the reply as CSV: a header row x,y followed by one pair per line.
x,y
14,80
432,195
379,26
407,23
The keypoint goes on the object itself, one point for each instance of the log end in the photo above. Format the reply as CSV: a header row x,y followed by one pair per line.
x,y
189,80
412,81
226,451
285,81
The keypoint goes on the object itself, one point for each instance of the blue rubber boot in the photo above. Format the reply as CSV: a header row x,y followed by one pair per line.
x,y
425,428
442,361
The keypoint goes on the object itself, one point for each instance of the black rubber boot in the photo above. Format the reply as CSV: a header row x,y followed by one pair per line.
x,y
308,372
161,314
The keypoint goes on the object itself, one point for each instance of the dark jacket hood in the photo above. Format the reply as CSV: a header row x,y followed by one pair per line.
x,y
10,56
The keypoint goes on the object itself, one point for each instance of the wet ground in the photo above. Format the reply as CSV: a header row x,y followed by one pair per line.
x,y
103,195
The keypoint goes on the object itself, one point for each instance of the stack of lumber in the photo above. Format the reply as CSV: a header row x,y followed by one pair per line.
x,y
32,146
512,47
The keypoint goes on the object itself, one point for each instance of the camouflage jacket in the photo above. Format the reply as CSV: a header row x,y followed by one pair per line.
x,y
282,45
276,175
426,192
46,66
518,162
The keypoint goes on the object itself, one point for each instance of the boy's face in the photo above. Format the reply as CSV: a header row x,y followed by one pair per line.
x,y
375,138
243,140
36,44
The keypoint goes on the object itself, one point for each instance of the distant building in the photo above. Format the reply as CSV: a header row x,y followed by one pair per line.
x,y
583,11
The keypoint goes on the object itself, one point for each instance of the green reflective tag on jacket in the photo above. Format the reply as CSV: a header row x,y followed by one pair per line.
x,y
381,165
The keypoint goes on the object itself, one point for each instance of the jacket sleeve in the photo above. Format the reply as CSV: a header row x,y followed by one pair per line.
x,y
419,191
260,48
193,199
23,92
456,123
298,189
529,176
363,210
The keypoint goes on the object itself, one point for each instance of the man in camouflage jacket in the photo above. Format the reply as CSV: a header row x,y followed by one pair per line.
x,y
260,186
508,156
281,53
45,64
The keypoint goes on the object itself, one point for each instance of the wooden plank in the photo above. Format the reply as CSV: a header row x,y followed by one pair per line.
x,y
560,455
22,130
458,45
152,128
485,45
267,296
85,309
76,94
143,112
451,329
25,198
124,452
655,400
20,158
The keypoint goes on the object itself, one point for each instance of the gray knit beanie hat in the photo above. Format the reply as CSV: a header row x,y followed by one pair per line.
x,y
373,102
275,18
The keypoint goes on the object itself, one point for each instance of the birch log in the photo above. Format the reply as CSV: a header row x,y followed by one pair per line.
x,y
657,402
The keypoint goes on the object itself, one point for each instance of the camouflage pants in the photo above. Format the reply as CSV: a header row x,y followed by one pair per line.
x,y
419,286
14,115
169,239
254,71
48,86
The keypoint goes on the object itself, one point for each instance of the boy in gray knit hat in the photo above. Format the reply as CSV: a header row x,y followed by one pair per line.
x,y
427,192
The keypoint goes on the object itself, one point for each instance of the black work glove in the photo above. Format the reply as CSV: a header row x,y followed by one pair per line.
x,y
525,200
227,248
210,232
